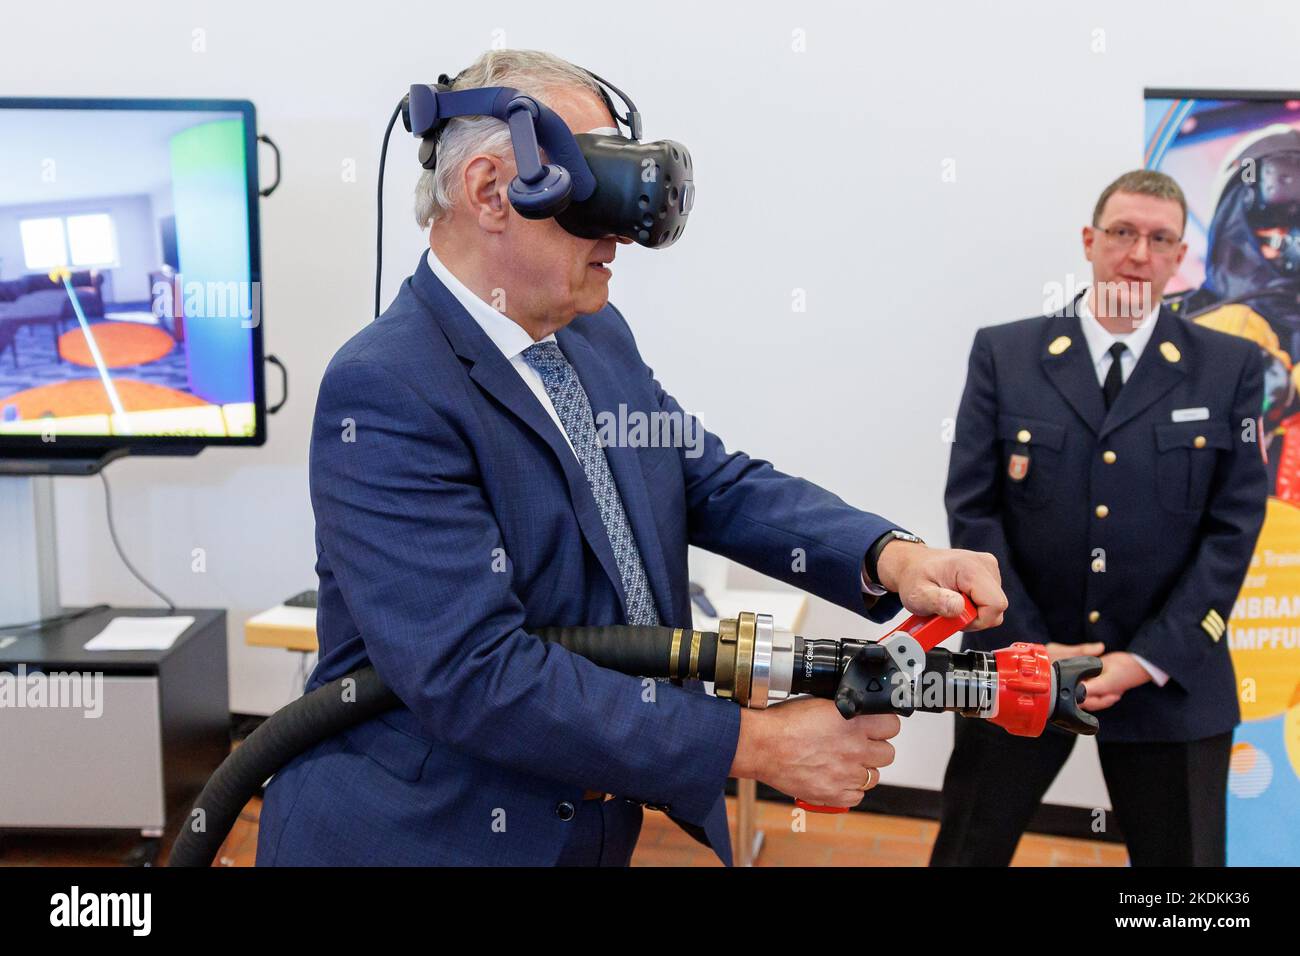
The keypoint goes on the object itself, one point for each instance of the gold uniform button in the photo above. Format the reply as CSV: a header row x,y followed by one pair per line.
x,y
1102,511
1108,457
1094,617
1199,441
1023,436
1098,565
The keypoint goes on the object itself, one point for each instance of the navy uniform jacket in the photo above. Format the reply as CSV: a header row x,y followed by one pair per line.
x,y
456,520
1129,527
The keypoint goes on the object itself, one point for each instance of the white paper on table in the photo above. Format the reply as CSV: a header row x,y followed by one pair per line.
x,y
139,634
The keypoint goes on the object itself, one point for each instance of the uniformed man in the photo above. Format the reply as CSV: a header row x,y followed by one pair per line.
x,y
1108,456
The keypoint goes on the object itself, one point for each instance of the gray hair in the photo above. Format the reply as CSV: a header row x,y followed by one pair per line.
x,y
529,71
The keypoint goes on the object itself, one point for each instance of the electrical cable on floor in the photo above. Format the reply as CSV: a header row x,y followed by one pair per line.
x,y
112,531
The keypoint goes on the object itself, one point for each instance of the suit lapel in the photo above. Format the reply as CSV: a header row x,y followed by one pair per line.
x,y
1068,365
605,395
1161,367
496,376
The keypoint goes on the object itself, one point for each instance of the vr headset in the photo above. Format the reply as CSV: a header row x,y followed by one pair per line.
x,y
594,184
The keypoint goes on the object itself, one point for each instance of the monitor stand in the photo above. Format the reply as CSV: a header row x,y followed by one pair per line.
x,y
89,463
29,562
29,567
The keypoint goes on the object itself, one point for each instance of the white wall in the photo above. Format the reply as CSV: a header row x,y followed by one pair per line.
x,y
817,170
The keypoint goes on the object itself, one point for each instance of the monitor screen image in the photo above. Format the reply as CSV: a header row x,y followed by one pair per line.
x,y
130,307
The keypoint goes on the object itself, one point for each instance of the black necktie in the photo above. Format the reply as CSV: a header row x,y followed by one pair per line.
x,y
1115,377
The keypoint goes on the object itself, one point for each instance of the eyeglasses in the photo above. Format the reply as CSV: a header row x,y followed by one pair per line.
x,y
1124,236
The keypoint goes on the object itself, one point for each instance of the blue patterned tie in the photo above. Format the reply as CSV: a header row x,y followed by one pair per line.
x,y
573,407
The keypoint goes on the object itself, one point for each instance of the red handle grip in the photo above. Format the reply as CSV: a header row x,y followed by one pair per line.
x,y
932,631
929,632
819,809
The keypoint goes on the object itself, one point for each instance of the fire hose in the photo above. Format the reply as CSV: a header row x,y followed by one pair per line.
x,y
748,660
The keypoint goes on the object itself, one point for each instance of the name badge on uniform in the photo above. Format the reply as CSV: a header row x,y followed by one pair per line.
x,y
1190,414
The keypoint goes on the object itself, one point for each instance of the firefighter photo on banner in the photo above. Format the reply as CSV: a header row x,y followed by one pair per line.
x,y
1237,157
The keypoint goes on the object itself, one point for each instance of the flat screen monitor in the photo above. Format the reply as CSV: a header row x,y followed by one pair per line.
x,y
130,278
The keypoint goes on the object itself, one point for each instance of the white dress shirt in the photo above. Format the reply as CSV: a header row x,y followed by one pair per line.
x,y
1099,342
506,334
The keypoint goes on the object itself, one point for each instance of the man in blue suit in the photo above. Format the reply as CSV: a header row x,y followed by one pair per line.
x,y
464,499
1110,456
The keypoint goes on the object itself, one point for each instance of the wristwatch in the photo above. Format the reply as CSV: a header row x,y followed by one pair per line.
x,y
873,554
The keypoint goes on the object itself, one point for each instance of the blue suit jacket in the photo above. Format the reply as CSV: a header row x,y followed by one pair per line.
x,y
452,518
1185,501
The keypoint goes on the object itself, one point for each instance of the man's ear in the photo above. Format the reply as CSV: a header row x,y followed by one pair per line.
x,y
1089,237
485,182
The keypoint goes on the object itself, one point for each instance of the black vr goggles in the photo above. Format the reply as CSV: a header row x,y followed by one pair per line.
x,y
594,184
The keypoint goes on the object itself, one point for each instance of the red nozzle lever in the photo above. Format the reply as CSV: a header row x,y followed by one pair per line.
x,y
932,631
929,632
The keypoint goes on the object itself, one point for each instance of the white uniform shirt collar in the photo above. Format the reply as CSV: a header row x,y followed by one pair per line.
x,y
505,333
1099,340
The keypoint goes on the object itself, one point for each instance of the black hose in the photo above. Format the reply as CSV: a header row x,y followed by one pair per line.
x,y
360,696
642,651
291,730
